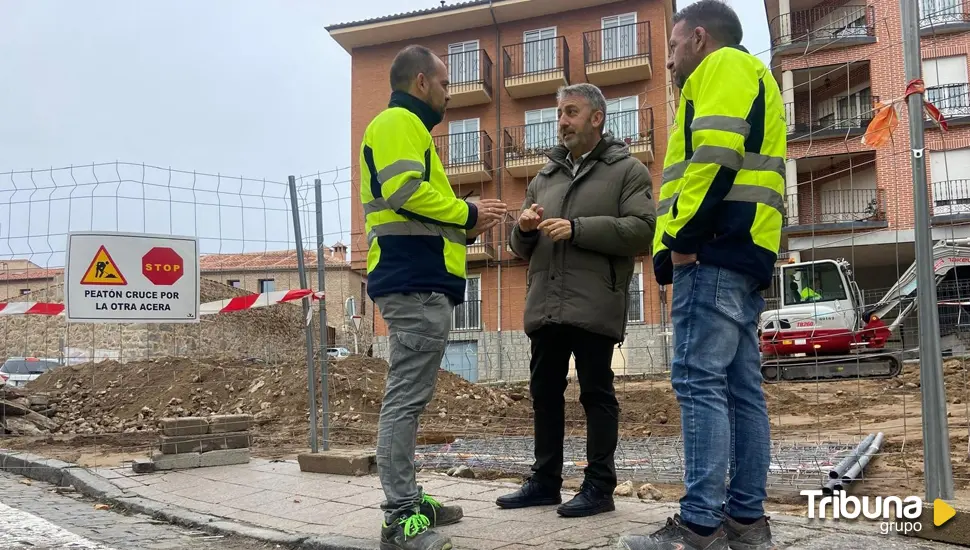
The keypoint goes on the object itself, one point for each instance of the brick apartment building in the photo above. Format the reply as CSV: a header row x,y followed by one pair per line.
x,y
833,58
506,59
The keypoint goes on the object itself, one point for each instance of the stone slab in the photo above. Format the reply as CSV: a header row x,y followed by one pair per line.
x,y
190,425
142,466
171,445
223,423
340,462
955,531
177,461
225,457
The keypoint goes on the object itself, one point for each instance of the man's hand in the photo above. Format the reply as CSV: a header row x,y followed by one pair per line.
x,y
557,229
490,212
478,229
530,218
682,259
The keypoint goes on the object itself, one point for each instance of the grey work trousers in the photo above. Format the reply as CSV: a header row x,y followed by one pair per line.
x,y
418,324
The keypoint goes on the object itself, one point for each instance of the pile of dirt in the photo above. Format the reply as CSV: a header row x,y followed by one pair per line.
x,y
114,398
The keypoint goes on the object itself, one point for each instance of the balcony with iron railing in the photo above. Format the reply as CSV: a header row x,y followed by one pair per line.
x,y
483,249
467,316
525,147
469,77
943,16
617,55
821,27
953,101
466,156
635,127
844,116
536,67
836,210
951,199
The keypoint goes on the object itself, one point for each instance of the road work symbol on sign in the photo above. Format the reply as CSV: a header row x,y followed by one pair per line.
x,y
103,271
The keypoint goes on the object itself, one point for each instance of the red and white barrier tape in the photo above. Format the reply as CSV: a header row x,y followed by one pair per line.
x,y
240,303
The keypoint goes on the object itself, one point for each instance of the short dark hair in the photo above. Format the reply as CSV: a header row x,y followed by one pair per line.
x,y
408,64
717,18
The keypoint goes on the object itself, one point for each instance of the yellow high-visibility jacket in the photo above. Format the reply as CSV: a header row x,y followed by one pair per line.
x,y
723,190
415,225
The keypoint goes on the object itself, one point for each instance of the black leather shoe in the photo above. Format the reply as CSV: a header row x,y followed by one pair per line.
x,y
588,502
532,493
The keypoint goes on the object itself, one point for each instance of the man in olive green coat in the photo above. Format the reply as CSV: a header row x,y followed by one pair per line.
x,y
587,214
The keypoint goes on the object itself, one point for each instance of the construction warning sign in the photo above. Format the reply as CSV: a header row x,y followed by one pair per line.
x,y
131,278
103,271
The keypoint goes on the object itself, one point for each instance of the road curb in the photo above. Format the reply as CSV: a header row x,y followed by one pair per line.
x,y
89,484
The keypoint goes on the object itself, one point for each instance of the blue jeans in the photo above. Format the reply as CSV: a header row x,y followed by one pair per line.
x,y
716,374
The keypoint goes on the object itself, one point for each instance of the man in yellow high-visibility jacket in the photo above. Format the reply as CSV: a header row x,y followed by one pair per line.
x,y
417,231
718,233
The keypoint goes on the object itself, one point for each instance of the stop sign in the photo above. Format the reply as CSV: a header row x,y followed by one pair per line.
x,y
162,266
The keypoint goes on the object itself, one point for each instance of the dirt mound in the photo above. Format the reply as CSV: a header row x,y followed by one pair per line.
x,y
113,398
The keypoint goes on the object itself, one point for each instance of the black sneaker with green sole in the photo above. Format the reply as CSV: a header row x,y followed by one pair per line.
x,y
413,533
438,513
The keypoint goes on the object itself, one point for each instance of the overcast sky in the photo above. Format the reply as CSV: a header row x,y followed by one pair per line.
x,y
236,87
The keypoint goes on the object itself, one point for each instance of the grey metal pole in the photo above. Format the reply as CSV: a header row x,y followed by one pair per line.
x,y
301,266
324,341
936,437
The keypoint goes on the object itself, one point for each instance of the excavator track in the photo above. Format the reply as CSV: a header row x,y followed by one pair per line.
x,y
831,368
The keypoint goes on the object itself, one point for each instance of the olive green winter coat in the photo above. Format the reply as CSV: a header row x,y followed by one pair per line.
x,y
584,282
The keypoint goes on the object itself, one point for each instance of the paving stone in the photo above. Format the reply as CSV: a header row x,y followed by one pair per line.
x,y
202,443
177,461
189,425
340,462
142,466
224,457
222,423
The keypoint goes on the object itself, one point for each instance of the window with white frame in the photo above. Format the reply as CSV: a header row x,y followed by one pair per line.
x,y
950,176
634,310
946,84
463,142
468,315
622,118
539,50
463,62
540,128
619,36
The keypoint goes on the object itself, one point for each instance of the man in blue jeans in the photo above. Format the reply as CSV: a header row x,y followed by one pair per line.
x,y
719,223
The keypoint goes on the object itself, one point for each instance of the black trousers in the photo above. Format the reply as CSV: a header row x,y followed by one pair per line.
x,y
552,346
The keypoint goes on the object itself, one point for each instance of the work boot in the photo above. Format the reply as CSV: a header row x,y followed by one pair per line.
x,y
589,501
755,536
674,536
439,514
412,533
532,493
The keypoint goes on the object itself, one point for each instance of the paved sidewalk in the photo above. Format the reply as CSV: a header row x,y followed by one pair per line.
x,y
277,495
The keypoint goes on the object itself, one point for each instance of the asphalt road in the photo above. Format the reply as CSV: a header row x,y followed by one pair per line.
x,y
33,515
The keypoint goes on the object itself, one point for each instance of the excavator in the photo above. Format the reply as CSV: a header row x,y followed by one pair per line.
x,y
824,331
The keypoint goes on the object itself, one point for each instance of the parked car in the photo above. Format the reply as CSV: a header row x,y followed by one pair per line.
x,y
17,371
338,353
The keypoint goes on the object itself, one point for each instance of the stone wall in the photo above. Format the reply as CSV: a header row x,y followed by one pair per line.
x,y
643,352
341,283
272,334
